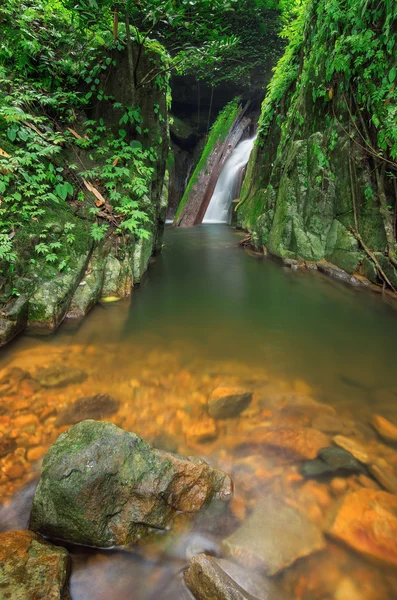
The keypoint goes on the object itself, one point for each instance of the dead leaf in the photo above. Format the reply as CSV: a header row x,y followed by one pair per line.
x,y
73,132
4,153
116,160
100,199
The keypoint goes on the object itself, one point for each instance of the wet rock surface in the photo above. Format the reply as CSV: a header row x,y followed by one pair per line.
x,y
208,577
273,537
367,522
32,568
291,443
102,486
228,402
385,428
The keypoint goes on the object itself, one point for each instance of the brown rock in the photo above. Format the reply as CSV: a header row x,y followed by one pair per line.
x,y
386,429
367,521
202,431
293,443
228,402
32,568
386,478
209,578
7,445
36,453
338,485
273,537
353,447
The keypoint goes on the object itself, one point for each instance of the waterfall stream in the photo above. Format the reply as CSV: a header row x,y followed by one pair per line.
x,y
228,184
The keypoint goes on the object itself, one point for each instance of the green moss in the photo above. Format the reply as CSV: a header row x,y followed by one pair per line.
x,y
218,133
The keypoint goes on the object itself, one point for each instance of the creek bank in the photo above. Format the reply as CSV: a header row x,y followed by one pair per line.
x,y
31,567
102,486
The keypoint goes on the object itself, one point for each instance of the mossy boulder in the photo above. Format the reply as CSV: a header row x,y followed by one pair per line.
x,y
32,568
102,486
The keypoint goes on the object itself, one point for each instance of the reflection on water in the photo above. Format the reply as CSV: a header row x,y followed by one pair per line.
x,y
316,355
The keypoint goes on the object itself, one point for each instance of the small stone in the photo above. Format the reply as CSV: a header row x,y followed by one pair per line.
x,y
338,485
25,420
92,407
385,428
367,521
7,445
228,402
327,423
273,537
331,461
386,479
36,453
202,431
15,471
32,568
353,447
60,376
211,578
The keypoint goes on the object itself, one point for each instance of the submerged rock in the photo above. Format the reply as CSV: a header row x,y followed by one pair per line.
x,y
384,477
273,537
210,578
32,568
331,461
228,402
367,521
102,486
59,376
353,447
10,380
385,428
93,407
297,443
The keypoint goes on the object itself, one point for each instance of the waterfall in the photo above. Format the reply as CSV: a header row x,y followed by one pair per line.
x,y
228,184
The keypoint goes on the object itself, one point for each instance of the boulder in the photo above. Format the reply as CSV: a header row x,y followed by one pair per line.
x,y
228,402
211,578
385,428
60,376
273,537
93,407
32,568
331,462
102,486
366,521
299,443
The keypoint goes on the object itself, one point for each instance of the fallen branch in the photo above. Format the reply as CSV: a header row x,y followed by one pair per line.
x,y
373,258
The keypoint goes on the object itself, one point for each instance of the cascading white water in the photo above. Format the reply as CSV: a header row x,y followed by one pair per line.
x,y
226,189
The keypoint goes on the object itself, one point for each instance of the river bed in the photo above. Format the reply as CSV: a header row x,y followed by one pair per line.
x,y
316,355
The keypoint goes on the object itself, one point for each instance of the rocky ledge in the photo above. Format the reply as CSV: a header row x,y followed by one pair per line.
x,y
102,486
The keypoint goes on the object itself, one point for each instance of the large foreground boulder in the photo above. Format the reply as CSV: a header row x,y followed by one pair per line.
x,y
32,568
102,486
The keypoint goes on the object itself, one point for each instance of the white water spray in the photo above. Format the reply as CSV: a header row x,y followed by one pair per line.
x,y
227,187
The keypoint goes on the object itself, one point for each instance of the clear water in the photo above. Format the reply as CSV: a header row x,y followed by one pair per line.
x,y
210,313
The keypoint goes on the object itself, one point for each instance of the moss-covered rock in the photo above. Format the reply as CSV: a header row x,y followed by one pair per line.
x,y
102,486
32,568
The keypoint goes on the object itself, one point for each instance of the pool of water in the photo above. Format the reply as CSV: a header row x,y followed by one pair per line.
x,y
314,353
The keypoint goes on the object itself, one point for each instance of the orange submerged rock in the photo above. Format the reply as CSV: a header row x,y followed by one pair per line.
x,y
367,522
296,443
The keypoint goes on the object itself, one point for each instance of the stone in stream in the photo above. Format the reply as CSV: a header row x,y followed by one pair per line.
x,y
366,520
93,407
331,461
10,380
211,578
356,449
102,486
228,402
273,537
385,428
31,568
384,477
298,443
60,376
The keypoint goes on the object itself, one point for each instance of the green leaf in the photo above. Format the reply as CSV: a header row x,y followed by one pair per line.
x,y
392,74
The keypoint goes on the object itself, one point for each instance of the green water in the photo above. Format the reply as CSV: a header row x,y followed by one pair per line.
x,y
209,312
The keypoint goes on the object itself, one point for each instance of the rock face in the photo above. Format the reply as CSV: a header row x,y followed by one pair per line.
x,y
210,578
228,402
367,521
31,568
273,537
102,486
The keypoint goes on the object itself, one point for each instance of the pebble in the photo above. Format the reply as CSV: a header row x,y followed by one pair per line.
x,y
353,447
385,428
